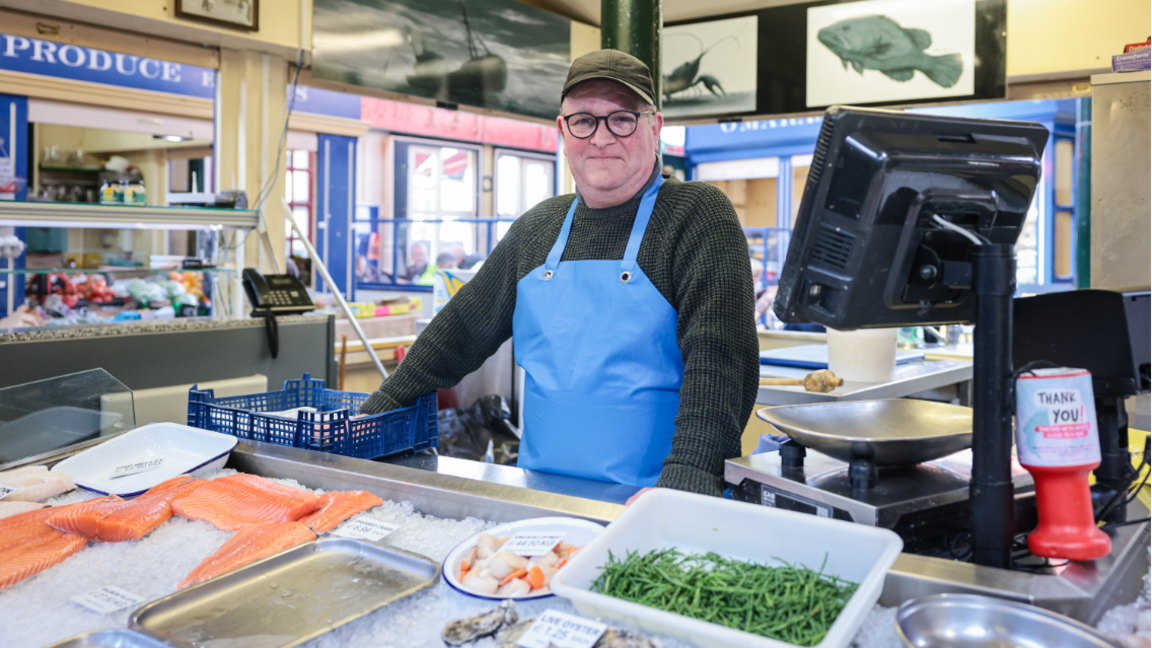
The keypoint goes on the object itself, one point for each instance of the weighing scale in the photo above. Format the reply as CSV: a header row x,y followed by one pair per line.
x,y
911,220
900,464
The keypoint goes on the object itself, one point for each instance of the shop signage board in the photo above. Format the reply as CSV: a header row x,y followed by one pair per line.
x,y
414,119
34,56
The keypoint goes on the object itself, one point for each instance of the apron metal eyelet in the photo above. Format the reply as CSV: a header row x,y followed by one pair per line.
x,y
625,276
547,275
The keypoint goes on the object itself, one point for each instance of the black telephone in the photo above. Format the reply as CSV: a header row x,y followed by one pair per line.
x,y
277,294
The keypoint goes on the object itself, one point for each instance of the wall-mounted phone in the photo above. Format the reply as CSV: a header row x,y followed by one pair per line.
x,y
276,294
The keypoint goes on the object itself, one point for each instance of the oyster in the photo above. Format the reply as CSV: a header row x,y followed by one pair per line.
x,y
462,631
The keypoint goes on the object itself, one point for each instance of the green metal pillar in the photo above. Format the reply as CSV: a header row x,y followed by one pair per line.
x,y
1083,207
633,27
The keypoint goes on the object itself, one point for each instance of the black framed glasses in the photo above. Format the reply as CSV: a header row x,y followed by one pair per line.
x,y
621,123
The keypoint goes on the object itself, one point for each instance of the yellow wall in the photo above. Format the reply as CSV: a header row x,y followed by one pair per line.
x,y
279,21
1051,36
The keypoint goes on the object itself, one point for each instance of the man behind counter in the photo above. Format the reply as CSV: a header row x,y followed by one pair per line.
x,y
630,306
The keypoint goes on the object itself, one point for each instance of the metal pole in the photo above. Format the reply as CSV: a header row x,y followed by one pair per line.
x,y
335,292
633,27
1084,193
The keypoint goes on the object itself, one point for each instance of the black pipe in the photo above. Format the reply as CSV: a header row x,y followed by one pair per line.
x,y
990,491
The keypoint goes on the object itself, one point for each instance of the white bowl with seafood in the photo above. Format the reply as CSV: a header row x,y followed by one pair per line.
x,y
477,567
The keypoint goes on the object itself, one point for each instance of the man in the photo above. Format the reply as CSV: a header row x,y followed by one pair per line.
x,y
630,306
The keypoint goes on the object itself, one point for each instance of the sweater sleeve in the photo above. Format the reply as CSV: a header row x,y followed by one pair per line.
x,y
470,328
716,332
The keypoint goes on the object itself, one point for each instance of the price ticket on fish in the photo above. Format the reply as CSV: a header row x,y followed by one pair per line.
x,y
5,491
107,600
561,630
532,544
137,467
365,529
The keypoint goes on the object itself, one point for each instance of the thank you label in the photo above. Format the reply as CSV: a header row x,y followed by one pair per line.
x,y
1056,419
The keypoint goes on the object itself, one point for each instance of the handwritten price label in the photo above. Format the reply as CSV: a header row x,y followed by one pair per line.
x,y
5,491
532,544
137,467
365,529
107,600
562,630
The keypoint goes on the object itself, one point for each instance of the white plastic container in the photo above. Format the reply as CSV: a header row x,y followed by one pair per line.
x,y
863,355
698,524
184,450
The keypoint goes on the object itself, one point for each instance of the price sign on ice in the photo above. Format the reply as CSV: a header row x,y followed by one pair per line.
x,y
532,544
365,529
562,630
137,467
5,491
107,600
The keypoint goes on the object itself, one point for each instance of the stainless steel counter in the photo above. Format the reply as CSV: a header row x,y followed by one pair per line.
x,y
518,477
937,379
432,492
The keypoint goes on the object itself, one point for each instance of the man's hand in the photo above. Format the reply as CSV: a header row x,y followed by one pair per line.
x,y
635,497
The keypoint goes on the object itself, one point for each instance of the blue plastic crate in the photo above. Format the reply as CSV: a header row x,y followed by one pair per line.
x,y
335,427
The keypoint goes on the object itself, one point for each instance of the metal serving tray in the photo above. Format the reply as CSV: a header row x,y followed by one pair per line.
x,y
118,638
891,432
289,598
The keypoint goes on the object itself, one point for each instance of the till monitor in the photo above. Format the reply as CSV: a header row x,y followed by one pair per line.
x,y
893,206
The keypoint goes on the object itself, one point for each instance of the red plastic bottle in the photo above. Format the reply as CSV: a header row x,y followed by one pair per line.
x,y
1058,442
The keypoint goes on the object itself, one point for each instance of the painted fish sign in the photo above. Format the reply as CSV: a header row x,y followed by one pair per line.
x,y
880,43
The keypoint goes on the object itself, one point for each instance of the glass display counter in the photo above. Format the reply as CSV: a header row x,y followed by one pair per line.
x,y
59,414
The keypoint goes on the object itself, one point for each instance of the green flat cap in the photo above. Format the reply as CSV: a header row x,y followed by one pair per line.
x,y
615,66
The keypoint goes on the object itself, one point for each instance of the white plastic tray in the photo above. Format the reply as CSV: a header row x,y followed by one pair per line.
x,y
698,524
184,449
578,533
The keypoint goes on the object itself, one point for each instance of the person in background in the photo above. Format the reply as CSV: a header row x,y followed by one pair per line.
x,y
417,262
630,306
466,261
23,317
446,261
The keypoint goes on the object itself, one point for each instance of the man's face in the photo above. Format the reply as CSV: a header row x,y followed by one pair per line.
x,y
418,255
605,162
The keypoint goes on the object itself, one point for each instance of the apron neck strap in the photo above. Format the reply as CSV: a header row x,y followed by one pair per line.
x,y
640,225
643,215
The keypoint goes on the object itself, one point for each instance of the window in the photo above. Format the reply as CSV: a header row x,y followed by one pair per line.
x,y
298,193
522,181
1063,234
435,207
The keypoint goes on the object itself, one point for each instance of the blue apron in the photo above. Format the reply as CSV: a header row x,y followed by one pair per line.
x,y
598,344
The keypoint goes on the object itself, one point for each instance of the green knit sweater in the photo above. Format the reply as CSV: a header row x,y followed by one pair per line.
x,y
695,254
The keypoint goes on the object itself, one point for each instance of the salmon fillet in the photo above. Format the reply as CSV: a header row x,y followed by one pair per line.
x,y
33,557
146,512
251,543
339,506
229,502
84,518
26,527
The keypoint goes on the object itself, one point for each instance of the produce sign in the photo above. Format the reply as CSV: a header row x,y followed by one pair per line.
x,y
791,603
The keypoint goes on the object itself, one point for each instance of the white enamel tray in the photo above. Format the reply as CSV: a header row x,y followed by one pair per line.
x,y
184,450
577,532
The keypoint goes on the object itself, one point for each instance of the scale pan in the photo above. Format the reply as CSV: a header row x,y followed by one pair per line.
x,y
892,432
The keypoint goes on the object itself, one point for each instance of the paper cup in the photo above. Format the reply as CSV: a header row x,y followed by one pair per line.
x,y
864,355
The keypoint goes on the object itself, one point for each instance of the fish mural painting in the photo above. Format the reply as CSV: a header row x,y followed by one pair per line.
x,y
880,43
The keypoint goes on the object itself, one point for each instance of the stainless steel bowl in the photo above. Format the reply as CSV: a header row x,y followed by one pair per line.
x,y
893,432
971,621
